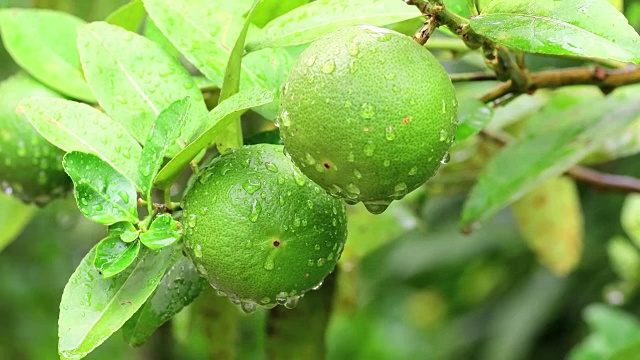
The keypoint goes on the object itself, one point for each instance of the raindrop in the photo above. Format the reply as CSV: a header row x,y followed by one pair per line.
x,y
353,189
395,88
309,159
413,171
390,134
124,196
357,174
310,262
311,60
351,157
271,167
256,209
348,104
269,264
197,251
320,262
121,99
377,207
328,67
353,49
317,286
367,111
251,186
400,190
445,159
317,247
248,306
284,119
386,163
292,302
443,135
369,149
192,220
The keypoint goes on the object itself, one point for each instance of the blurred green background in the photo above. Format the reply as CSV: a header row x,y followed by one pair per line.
x,y
411,286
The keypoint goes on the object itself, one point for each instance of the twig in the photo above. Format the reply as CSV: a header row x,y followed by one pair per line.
x,y
479,76
606,79
597,179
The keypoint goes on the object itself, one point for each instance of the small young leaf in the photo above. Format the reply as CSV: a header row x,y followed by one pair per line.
x,y
624,259
217,120
315,19
163,232
540,155
591,28
550,219
178,288
473,116
73,126
134,79
129,16
164,133
113,255
92,307
15,216
125,230
231,136
103,194
43,42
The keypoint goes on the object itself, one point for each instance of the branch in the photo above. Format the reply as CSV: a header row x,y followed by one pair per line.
x,y
607,80
594,178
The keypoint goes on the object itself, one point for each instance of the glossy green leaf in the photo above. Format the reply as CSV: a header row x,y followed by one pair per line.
x,y
460,7
43,42
154,34
164,132
231,136
129,16
15,216
102,194
218,119
551,222
267,68
309,22
134,79
202,30
473,116
124,230
630,217
540,155
592,28
73,126
178,288
164,231
92,307
114,255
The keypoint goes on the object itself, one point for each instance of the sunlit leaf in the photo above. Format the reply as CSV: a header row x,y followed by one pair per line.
x,y
163,232
92,307
114,255
592,28
43,42
129,16
102,194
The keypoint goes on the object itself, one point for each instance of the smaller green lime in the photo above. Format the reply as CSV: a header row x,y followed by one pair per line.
x,y
260,231
30,166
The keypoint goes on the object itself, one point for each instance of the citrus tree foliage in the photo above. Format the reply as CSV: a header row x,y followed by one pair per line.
x,y
142,100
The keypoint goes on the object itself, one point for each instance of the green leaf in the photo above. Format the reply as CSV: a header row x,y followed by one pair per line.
x,y
74,126
546,153
267,68
178,288
43,42
592,28
164,132
114,255
550,220
163,232
628,353
134,79
218,119
315,19
473,116
268,10
129,16
630,217
103,194
615,327
15,216
154,34
92,307
231,136
460,7
202,30
125,230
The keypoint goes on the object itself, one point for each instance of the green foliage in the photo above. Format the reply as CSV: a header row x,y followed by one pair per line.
x,y
142,95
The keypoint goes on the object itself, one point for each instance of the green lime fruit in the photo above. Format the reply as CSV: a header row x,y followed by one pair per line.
x,y
260,231
368,114
30,166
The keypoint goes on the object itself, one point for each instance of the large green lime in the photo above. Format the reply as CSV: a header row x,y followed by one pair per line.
x,y
368,114
259,230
